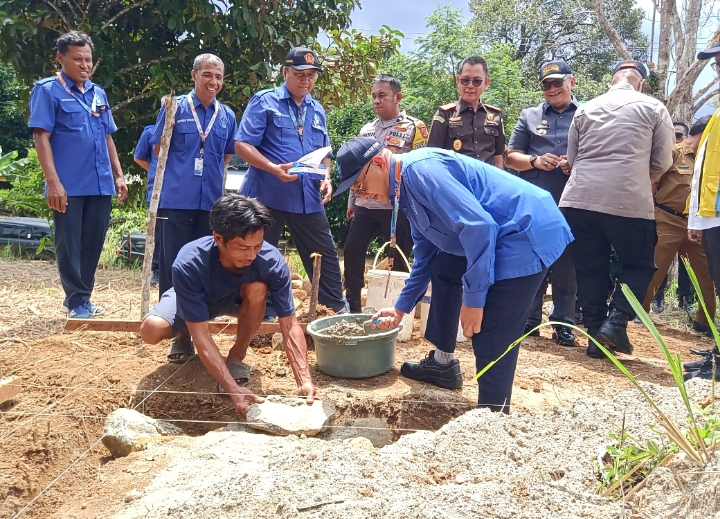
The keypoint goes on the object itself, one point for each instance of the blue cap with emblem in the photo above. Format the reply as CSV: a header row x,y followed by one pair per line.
x,y
713,47
633,64
351,159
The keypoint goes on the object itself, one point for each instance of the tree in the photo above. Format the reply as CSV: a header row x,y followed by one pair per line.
x,y
14,133
677,45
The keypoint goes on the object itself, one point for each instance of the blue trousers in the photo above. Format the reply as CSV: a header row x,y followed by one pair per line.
x,y
178,227
79,239
508,305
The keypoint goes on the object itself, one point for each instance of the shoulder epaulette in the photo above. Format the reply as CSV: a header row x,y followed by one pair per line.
x,y
491,107
264,91
448,106
45,80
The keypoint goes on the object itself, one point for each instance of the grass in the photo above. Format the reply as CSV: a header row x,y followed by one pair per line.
x,y
295,263
7,253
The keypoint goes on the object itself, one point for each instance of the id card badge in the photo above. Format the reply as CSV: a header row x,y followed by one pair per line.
x,y
198,167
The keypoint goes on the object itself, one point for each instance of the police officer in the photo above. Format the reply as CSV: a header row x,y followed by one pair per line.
x,y
144,156
399,133
537,150
72,126
201,144
671,194
470,126
279,126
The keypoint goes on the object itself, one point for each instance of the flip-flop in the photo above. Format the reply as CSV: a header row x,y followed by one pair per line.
x,y
183,347
238,372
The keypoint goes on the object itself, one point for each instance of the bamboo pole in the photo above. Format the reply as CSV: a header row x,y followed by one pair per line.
x,y
170,109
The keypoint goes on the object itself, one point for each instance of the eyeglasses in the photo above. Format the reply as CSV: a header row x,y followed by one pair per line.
x,y
715,65
679,135
555,83
465,81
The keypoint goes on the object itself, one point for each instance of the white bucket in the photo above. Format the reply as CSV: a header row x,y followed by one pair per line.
x,y
378,280
425,312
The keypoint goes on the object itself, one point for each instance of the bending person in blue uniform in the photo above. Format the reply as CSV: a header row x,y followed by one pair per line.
x,y
485,240
279,126
72,129
233,272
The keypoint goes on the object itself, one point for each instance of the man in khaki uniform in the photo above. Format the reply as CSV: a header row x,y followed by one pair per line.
x,y
672,190
469,126
399,133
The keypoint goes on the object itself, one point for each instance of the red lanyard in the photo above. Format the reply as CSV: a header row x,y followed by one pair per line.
x,y
82,103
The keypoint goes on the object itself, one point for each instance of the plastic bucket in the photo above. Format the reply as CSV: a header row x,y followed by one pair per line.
x,y
355,356
425,311
380,280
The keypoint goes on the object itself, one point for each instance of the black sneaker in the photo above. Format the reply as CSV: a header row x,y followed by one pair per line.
x,y
446,376
529,327
564,336
613,333
699,364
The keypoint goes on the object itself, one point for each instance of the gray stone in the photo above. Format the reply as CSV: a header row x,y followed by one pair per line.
x,y
374,429
123,427
284,416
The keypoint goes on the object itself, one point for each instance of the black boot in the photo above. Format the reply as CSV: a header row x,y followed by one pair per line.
x,y
447,376
592,349
354,300
563,335
613,332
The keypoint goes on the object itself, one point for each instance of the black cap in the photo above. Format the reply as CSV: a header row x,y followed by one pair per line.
x,y
351,159
302,58
555,69
712,49
636,65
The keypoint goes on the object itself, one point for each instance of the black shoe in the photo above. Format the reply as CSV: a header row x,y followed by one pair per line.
x,y
704,353
613,333
705,372
592,349
529,327
578,318
702,328
699,364
353,298
564,336
446,376
155,279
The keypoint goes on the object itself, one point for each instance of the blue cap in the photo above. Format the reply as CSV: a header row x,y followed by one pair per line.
x,y
352,158
713,47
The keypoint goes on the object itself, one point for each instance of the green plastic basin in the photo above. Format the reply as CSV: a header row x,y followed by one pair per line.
x,y
355,356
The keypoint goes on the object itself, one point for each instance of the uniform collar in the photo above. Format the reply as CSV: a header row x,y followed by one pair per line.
x,y
87,85
386,123
621,86
198,103
285,94
464,106
547,106
684,148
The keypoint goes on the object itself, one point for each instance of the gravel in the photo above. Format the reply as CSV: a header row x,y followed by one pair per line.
x,y
482,464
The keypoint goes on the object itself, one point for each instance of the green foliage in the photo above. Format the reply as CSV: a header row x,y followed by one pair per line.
x,y
9,165
15,134
27,196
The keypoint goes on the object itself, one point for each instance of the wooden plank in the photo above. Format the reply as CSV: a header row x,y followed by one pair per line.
x,y
9,388
119,325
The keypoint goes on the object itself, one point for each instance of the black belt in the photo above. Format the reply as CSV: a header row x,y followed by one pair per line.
x,y
671,211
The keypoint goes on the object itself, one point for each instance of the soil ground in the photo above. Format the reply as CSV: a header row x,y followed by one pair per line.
x,y
72,380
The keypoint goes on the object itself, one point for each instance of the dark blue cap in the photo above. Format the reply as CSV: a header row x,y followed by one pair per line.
x,y
712,49
352,158
633,64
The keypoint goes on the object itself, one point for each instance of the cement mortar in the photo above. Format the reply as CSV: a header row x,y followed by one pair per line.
x,y
482,464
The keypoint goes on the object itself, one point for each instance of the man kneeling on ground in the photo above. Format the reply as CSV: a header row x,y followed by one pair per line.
x,y
229,273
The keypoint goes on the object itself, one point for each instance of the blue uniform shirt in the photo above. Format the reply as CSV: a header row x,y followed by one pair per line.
x,y
182,189
77,138
504,226
267,125
144,151
202,283
540,130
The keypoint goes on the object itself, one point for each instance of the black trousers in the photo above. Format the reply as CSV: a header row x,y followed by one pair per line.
x,y
711,244
596,234
365,225
177,227
79,239
506,311
684,289
311,233
564,292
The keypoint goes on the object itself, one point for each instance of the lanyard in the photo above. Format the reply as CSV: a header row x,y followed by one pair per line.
x,y
393,221
299,120
90,109
203,135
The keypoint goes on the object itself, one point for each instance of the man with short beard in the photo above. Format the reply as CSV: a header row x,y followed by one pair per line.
x,y
72,128
201,144
538,151
281,125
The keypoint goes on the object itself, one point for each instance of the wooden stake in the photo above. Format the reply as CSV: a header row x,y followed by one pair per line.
x,y
170,109
317,262
9,388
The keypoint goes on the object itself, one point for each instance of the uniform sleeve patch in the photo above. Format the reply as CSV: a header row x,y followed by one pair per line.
x,y
439,119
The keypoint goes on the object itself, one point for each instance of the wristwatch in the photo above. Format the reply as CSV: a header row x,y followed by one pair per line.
x,y
533,158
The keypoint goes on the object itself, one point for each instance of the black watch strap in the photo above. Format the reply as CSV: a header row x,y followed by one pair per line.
x,y
533,158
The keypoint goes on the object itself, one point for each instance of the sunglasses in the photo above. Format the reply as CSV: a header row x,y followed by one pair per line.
x,y
715,65
465,81
555,83
679,135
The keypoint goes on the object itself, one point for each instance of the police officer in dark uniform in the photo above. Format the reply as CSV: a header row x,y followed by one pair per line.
x,y
469,126
537,150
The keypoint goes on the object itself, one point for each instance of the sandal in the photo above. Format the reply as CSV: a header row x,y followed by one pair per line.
x,y
241,374
183,347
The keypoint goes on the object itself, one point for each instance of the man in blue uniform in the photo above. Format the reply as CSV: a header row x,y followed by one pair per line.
x,y
485,240
231,272
72,126
145,157
538,151
202,142
279,126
